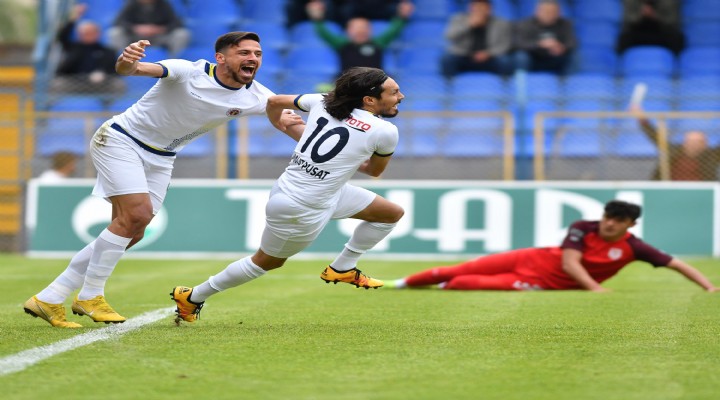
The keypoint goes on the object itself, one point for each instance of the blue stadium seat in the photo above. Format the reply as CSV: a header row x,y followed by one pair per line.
x,y
265,10
205,33
597,33
426,85
465,104
320,59
421,135
429,33
472,144
538,85
303,34
478,85
138,85
123,103
504,9
593,10
194,53
574,123
157,53
700,10
302,83
589,86
658,89
634,144
586,143
273,63
596,59
432,10
648,61
61,134
700,61
102,12
420,103
225,13
77,104
422,60
699,87
200,147
706,33
271,35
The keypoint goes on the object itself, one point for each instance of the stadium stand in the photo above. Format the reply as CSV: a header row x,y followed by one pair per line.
x,y
297,61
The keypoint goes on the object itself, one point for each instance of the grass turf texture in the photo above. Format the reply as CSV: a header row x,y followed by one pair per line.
x,y
289,335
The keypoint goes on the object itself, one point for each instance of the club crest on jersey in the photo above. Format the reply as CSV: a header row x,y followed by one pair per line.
x,y
357,124
614,253
233,112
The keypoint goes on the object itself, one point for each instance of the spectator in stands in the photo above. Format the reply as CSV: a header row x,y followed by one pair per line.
x,y
63,166
478,41
153,20
358,47
86,64
341,11
668,11
545,41
693,160
649,29
347,10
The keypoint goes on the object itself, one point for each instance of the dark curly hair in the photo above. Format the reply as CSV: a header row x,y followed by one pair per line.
x,y
350,88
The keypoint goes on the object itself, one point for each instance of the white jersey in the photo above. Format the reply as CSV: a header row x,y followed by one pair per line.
x,y
330,152
187,102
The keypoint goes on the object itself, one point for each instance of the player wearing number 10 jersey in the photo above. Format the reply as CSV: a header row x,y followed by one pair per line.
x,y
345,133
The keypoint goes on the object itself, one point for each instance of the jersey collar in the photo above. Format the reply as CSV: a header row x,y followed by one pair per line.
x,y
210,70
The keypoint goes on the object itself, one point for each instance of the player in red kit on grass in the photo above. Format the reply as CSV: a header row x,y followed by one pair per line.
x,y
592,252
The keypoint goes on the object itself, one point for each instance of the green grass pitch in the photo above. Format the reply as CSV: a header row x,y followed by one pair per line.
x,y
289,335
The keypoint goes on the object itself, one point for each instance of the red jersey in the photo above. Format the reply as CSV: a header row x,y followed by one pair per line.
x,y
600,258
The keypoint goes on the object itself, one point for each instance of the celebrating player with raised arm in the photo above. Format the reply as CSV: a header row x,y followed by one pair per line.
x,y
134,153
592,252
345,133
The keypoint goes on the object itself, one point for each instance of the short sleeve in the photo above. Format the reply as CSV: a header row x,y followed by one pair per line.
x,y
387,141
647,253
576,234
307,101
177,70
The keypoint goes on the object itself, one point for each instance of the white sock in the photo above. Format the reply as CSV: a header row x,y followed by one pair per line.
x,y
364,238
235,274
109,247
400,283
69,280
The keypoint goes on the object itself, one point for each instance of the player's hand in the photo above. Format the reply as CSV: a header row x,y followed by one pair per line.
x,y
714,290
135,51
601,290
78,11
289,118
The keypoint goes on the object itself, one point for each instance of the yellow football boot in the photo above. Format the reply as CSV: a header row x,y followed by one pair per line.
x,y
186,310
52,313
353,277
98,309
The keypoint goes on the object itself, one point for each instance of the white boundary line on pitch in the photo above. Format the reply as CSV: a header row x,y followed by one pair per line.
x,y
27,358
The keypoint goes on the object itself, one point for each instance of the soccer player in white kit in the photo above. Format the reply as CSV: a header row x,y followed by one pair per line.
x,y
134,152
345,133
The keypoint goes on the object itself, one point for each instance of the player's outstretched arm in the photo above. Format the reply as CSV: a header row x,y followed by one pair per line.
x,y
572,266
280,115
129,61
692,274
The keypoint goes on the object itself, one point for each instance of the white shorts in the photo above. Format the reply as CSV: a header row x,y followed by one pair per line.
x,y
291,227
123,167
